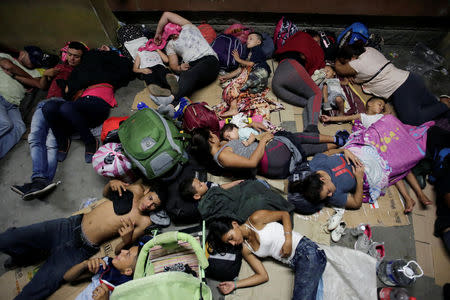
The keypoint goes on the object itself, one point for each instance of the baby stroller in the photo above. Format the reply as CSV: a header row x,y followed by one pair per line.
x,y
153,280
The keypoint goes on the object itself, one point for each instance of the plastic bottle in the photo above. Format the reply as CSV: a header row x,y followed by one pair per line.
x,y
393,294
399,272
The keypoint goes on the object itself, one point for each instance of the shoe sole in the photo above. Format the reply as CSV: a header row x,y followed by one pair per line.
x,y
173,83
30,196
16,190
158,91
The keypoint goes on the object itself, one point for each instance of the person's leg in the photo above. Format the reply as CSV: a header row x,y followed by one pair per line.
x,y
158,76
11,126
309,263
201,73
61,129
415,104
409,202
412,180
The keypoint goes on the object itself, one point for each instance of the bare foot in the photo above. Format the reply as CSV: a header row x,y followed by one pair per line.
x,y
229,113
424,199
409,205
445,100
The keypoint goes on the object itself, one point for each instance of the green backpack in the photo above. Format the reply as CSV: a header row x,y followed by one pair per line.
x,y
153,144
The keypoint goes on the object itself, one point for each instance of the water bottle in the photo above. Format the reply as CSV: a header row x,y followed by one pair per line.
x,y
394,294
399,272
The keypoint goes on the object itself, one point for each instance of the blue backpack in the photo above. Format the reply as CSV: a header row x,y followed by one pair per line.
x,y
223,45
355,32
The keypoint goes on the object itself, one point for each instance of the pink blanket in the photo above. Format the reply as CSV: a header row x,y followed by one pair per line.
x,y
401,146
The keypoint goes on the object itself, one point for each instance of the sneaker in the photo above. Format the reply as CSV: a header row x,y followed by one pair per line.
x,y
172,81
21,189
38,188
90,150
362,229
338,232
341,137
61,155
156,90
335,219
160,218
179,110
364,234
326,106
377,250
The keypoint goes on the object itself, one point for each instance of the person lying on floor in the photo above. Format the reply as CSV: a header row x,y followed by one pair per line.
x,y
371,161
272,157
43,147
73,240
238,199
262,236
108,273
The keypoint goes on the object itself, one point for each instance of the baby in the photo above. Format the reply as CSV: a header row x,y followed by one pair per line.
x,y
333,94
194,189
231,132
108,273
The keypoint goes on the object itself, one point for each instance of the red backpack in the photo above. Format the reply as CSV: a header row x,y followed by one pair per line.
x,y
200,115
284,30
208,32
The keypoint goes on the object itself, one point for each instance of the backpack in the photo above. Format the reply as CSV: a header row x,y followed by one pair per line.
x,y
328,44
110,161
284,30
153,144
128,33
355,32
239,31
224,45
208,32
200,115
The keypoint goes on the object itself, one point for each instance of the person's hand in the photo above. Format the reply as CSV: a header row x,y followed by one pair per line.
x,y
118,186
325,118
352,158
101,292
157,39
184,66
358,171
222,78
235,54
51,72
286,249
7,71
258,126
146,71
245,143
126,230
226,287
266,137
94,264
352,80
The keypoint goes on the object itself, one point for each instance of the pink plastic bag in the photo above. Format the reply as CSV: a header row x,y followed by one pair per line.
x,y
239,31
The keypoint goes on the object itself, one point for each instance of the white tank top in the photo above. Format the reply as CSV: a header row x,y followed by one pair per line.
x,y
271,239
149,59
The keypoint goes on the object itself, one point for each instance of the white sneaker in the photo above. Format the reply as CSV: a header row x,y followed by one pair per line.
x,y
338,232
335,219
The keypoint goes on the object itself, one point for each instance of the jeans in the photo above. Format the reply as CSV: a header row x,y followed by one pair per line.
x,y
11,126
43,146
79,116
308,263
62,238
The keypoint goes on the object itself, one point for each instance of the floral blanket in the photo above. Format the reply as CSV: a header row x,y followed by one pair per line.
x,y
399,147
249,104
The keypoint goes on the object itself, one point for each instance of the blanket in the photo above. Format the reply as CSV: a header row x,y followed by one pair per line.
x,y
399,146
247,103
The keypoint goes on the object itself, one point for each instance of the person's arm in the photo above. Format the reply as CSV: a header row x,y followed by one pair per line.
x,y
174,66
12,69
261,217
115,185
259,277
232,160
168,17
229,185
101,292
230,75
250,140
34,82
163,56
344,69
325,92
241,61
348,155
87,267
354,200
130,232
47,77
325,118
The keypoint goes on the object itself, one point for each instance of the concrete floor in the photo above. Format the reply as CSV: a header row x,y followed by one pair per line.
x,y
79,182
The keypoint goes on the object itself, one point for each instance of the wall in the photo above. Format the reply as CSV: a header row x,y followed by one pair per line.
x,y
51,23
433,8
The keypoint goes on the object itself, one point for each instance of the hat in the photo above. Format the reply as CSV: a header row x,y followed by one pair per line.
x,y
36,54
